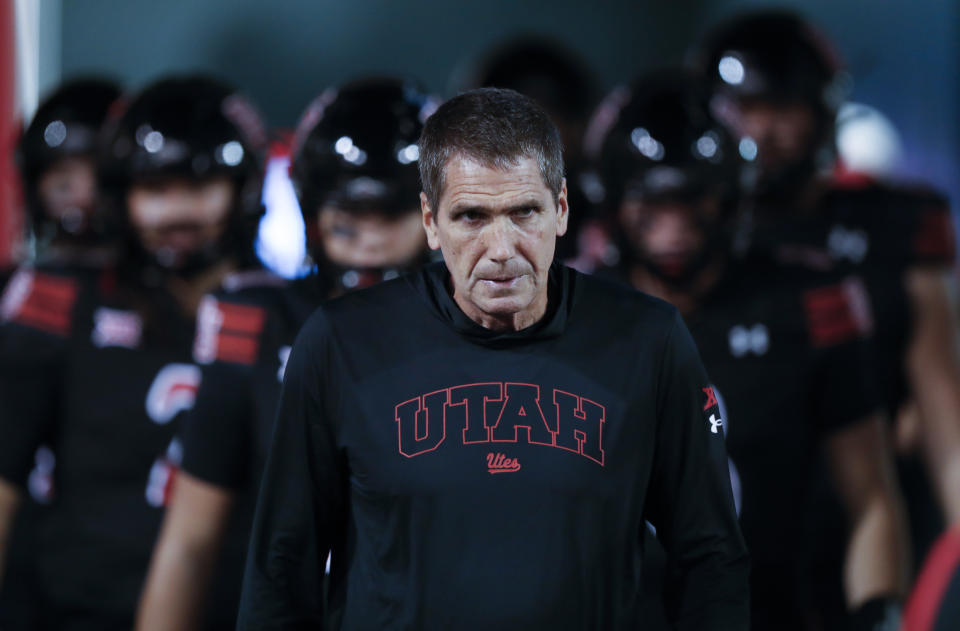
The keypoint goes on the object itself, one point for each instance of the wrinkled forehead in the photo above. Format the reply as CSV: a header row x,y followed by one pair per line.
x,y
469,180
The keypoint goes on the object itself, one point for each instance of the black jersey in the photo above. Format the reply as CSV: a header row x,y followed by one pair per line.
x,y
81,372
786,354
243,340
877,231
470,479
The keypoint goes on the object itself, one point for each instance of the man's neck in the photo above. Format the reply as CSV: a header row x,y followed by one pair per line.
x,y
189,291
686,298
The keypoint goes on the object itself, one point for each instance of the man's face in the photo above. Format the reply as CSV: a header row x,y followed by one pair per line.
x,y
667,232
67,191
175,218
370,239
497,230
783,130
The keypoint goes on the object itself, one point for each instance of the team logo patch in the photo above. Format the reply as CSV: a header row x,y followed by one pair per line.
x,y
174,390
283,354
712,405
744,340
116,328
162,473
848,243
500,412
499,463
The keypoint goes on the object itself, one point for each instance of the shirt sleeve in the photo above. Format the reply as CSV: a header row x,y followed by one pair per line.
x,y
842,385
36,315
216,432
690,501
932,240
301,507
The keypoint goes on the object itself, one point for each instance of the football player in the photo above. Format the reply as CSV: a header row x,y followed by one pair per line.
x,y
101,371
784,347
354,166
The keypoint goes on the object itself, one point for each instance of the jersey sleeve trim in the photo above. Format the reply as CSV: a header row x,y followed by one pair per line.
x,y
40,301
838,313
228,332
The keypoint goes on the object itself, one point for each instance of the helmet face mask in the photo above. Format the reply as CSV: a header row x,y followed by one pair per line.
x,y
354,167
180,222
66,193
56,154
371,237
188,150
671,173
776,83
673,236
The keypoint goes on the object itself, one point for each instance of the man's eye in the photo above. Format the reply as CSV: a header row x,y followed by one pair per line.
x,y
524,213
344,232
469,216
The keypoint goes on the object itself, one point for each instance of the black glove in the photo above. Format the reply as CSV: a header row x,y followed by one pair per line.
x,y
882,613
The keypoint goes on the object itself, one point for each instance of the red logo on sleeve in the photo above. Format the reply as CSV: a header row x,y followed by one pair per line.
x,y
711,398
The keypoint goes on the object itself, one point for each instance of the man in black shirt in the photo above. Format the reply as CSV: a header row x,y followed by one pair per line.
x,y
784,347
480,444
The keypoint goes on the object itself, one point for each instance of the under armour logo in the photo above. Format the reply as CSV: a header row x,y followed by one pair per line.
x,y
754,339
715,423
848,244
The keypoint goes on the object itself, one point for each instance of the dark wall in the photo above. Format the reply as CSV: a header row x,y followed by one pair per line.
x,y
904,56
284,53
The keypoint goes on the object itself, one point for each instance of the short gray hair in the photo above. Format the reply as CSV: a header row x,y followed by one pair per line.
x,y
495,127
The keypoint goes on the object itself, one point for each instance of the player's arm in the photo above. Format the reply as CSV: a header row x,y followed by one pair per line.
x,y
690,500
301,505
9,501
861,463
35,318
215,438
933,369
845,405
184,556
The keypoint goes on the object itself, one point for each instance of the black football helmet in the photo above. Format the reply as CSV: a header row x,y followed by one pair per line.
x,y
774,55
655,140
194,128
66,124
356,148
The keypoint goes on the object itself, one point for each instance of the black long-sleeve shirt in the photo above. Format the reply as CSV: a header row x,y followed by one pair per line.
x,y
470,479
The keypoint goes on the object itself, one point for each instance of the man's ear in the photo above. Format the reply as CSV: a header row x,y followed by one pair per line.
x,y
563,210
429,222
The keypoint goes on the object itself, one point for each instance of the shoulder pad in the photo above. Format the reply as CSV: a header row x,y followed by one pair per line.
x,y
228,332
40,300
837,313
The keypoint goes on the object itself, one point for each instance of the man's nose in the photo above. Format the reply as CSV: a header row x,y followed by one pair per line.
x,y
499,240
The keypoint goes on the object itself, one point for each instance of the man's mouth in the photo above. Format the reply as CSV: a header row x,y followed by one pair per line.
x,y
501,282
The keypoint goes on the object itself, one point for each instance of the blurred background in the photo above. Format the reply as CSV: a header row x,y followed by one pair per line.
x,y
902,57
